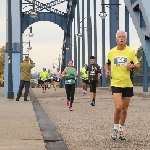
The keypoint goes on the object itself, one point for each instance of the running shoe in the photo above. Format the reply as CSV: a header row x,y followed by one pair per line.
x,y
121,135
70,108
84,93
93,103
114,135
68,102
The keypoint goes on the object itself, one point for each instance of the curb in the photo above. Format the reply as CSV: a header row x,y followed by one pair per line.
x,y
52,139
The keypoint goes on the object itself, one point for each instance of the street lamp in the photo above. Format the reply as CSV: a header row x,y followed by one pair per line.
x,y
33,14
30,34
103,15
67,47
29,48
59,59
79,35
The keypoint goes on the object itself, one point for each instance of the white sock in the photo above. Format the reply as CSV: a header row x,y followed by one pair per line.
x,y
121,128
116,126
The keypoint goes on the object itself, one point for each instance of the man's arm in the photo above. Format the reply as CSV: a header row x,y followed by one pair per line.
x,y
107,68
32,63
97,69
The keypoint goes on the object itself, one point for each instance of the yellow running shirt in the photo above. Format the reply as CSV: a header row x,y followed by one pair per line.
x,y
120,76
44,75
84,74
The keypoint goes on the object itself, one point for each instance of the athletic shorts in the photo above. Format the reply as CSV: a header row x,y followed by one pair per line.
x,y
93,85
43,82
126,92
48,80
85,81
57,79
39,81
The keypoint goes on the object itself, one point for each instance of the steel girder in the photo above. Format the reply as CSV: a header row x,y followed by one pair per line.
x,y
140,14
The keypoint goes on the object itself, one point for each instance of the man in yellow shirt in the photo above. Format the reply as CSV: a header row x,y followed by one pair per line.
x,y
119,59
44,76
84,79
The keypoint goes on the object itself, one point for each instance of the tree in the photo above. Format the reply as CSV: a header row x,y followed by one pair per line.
x,y
139,55
2,60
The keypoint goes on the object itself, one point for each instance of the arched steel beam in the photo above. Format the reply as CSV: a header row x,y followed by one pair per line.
x,y
60,20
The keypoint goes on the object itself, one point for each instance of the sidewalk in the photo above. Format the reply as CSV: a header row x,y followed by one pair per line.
x,y
19,128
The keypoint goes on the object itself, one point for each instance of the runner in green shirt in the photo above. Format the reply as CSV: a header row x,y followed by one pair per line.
x,y
85,79
48,82
70,73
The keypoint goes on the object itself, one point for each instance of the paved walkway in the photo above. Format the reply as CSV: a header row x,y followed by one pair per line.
x,y
86,128
19,128
89,128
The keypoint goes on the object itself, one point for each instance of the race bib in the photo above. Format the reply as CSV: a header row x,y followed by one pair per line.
x,y
57,79
92,72
120,61
69,81
86,79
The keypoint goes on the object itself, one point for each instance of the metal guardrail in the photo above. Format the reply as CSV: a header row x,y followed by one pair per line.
x,y
137,80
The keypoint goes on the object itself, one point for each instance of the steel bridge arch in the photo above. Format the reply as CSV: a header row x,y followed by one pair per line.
x,y
58,19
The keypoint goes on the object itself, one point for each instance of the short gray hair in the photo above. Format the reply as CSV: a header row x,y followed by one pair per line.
x,y
121,31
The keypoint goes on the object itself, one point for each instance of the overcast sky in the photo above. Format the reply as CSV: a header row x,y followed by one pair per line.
x,y
48,37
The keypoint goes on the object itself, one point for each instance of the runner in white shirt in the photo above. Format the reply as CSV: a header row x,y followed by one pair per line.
x,y
57,76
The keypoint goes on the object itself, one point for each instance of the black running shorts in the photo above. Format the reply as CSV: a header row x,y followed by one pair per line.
x,y
85,81
93,85
57,79
43,82
48,80
126,92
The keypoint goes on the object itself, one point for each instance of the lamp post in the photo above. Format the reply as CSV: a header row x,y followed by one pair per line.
x,y
33,13
103,14
79,35
10,93
30,34
29,48
59,59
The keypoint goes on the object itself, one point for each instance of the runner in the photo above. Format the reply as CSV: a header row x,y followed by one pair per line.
x,y
93,71
119,59
39,80
48,82
44,76
85,79
70,73
57,76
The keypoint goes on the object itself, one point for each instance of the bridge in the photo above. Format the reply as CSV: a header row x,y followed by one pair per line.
x,y
137,9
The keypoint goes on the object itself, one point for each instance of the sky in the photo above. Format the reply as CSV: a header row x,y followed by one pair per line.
x,y
48,37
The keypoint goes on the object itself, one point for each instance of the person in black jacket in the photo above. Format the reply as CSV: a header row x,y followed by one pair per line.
x,y
93,70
